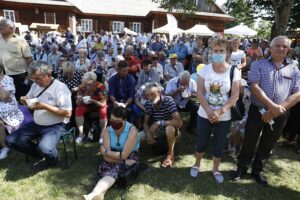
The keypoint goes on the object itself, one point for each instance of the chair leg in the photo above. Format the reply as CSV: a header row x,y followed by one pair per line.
x,y
74,147
66,156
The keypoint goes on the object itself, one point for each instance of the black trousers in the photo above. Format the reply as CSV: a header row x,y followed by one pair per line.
x,y
254,128
21,87
191,107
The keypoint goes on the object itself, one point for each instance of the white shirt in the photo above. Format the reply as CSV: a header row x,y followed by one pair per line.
x,y
57,95
236,57
190,47
217,88
174,84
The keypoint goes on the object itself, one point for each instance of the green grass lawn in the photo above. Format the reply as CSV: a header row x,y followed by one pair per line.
x,y
18,182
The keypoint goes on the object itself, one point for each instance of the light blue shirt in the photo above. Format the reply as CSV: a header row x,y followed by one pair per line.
x,y
173,85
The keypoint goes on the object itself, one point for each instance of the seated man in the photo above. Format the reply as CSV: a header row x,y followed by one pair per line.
x,y
148,74
182,89
165,120
173,68
52,108
121,88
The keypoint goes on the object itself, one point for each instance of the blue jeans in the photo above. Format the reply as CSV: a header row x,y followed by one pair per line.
x,y
21,140
219,130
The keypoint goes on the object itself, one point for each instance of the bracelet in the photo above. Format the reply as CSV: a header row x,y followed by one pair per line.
x,y
120,155
105,152
163,123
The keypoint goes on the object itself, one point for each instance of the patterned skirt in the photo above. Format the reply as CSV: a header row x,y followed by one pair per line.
x,y
112,169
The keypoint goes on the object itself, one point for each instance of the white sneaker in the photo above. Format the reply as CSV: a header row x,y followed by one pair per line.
x,y
218,177
3,153
79,140
194,171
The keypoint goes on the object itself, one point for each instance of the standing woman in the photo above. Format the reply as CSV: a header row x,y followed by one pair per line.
x,y
214,115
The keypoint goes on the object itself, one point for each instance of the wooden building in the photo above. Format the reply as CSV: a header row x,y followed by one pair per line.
x,y
112,15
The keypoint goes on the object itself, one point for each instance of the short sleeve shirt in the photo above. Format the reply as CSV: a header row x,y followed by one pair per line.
x,y
165,112
13,53
217,87
173,71
57,95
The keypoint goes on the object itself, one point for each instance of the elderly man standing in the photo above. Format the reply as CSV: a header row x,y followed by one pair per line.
x,y
51,101
53,57
15,56
183,89
165,120
275,87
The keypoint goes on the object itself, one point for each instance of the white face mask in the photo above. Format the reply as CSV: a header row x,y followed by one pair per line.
x,y
156,100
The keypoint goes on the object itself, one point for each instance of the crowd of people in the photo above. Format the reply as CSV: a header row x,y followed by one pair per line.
x,y
138,87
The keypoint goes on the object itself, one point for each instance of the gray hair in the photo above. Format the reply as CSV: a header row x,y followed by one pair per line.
x,y
281,37
54,46
152,85
184,74
40,66
7,22
67,66
83,50
130,48
89,76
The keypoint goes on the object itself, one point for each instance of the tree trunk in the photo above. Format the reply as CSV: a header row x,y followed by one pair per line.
x,y
282,10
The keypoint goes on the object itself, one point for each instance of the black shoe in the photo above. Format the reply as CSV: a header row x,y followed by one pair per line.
x,y
259,178
238,174
40,165
190,131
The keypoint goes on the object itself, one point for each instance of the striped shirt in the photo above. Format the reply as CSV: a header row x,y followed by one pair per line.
x,y
165,111
277,84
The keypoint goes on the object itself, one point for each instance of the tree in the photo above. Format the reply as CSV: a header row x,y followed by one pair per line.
x,y
185,6
279,11
234,8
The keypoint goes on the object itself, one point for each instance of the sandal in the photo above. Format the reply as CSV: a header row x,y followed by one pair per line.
x,y
194,171
286,143
218,177
168,161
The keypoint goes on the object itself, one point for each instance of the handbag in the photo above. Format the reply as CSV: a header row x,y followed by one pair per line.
x,y
238,109
127,175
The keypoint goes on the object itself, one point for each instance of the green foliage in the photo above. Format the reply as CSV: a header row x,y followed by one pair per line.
x,y
241,10
264,29
185,6
295,16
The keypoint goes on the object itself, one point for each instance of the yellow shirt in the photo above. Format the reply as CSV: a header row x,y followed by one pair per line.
x,y
99,46
13,53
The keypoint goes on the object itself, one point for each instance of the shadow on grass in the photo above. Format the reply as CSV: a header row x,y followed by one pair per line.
x,y
177,180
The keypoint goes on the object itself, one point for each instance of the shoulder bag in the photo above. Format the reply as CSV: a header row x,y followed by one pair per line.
x,y
238,109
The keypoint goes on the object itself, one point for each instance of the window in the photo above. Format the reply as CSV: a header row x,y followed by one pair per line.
x,y
136,27
86,25
9,14
50,18
118,27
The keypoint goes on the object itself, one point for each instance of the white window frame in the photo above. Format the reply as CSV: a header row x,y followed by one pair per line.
x,y
137,27
117,27
86,25
45,17
9,14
